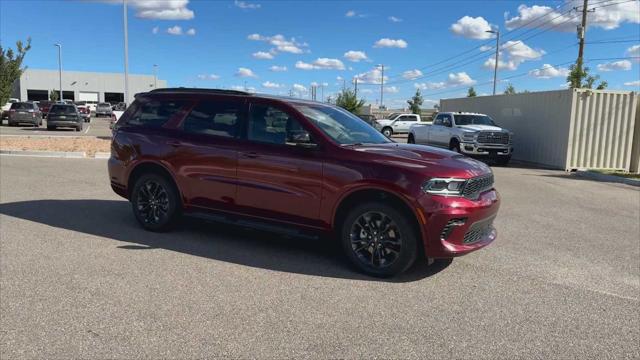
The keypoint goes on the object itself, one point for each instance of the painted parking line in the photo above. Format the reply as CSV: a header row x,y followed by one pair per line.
x,y
88,127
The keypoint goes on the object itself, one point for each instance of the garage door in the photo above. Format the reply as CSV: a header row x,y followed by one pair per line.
x,y
88,96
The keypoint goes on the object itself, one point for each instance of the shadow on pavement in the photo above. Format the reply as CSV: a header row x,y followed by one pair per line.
x,y
112,219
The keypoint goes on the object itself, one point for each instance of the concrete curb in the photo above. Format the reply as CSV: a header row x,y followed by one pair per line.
x,y
102,155
58,154
604,177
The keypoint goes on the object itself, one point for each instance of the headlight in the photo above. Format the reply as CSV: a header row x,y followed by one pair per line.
x,y
469,136
448,187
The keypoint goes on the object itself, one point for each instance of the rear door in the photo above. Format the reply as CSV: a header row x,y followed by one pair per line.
x,y
404,123
277,179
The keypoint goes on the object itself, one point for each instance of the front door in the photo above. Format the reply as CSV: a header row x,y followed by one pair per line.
x,y
404,123
276,178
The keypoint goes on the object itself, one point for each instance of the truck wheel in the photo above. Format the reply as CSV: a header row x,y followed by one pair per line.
x,y
455,146
503,160
387,131
155,202
379,240
411,139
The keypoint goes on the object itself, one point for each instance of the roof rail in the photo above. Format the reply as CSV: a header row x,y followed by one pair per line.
x,y
199,90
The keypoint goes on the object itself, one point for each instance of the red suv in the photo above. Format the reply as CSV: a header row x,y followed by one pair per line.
x,y
299,167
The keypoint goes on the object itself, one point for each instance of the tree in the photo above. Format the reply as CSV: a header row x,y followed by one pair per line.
x,y
347,100
11,67
53,95
471,92
415,102
579,77
510,90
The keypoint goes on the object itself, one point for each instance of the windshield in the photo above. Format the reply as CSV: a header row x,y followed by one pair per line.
x,y
341,126
63,110
21,106
474,120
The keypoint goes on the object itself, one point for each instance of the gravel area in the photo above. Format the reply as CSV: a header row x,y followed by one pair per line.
x,y
86,144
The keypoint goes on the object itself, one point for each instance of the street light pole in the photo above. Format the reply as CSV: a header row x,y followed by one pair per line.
x,y
155,76
381,86
60,68
495,68
126,52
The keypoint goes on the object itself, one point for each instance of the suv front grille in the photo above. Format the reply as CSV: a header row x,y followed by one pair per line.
x,y
478,230
477,186
493,137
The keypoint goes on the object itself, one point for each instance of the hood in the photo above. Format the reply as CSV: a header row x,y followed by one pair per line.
x,y
431,161
385,122
481,128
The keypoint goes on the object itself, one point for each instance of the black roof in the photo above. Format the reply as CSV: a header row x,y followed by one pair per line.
x,y
183,90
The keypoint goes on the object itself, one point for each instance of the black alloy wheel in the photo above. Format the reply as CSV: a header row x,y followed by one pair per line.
x,y
155,202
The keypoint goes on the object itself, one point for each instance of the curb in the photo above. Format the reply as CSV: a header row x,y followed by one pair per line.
x,y
102,155
58,154
608,178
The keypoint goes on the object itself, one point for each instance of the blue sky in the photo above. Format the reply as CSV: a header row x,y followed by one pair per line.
x,y
432,45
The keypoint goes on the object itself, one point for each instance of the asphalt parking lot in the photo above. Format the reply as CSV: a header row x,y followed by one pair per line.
x,y
80,279
98,127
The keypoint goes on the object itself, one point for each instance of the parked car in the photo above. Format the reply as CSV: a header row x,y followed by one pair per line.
x,y
25,113
6,107
298,167
84,112
44,106
64,115
400,123
471,134
121,106
103,109
371,120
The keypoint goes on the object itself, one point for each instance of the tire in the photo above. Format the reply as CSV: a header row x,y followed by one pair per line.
x,y
400,236
455,146
503,160
155,190
387,131
50,128
79,128
411,139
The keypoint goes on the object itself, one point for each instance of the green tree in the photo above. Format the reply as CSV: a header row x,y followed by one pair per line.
x,y
510,90
579,77
471,92
53,95
415,102
348,100
11,67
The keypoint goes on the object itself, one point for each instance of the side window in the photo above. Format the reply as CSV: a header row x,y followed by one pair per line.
x,y
446,120
220,118
438,120
155,113
271,125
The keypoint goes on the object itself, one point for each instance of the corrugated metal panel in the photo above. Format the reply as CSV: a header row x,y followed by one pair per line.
x,y
602,129
539,121
635,148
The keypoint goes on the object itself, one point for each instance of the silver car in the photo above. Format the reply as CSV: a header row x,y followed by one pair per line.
x,y
103,109
25,113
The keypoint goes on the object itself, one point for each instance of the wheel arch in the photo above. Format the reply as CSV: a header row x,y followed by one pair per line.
x,y
146,167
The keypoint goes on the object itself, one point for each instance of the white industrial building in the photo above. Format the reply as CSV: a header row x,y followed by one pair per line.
x,y
36,84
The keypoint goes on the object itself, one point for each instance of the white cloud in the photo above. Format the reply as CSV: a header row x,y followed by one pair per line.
x,y
453,80
634,51
390,43
486,47
391,89
244,72
246,5
262,55
250,89
276,68
472,28
512,54
208,77
155,30
412,74
632,83
321,63
547,71
350,13
355,56
271,85
394,19
299,88
174,30
623,65
281,43
159,9
191,32
607,17
371,77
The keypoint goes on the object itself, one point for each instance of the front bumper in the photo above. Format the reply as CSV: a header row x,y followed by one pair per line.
x,y
456,226
476,149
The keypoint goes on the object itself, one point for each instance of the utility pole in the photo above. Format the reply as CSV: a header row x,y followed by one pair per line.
x,y
60,99
344,85
381,86
582,30
126,52
322,92
356,86
495,67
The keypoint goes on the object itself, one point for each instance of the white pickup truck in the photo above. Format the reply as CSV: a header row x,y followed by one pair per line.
x,y
399,123
467,133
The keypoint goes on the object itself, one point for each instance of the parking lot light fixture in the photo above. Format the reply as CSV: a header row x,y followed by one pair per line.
x,y
59,46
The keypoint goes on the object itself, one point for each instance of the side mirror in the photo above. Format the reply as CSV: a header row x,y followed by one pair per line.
x,y
301,139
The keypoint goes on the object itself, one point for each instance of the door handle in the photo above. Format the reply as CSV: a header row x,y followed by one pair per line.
x,y
251,155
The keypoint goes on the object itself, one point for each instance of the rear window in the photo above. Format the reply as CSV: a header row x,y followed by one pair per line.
x,y
218,118
63,110
21,106
104,105
155,113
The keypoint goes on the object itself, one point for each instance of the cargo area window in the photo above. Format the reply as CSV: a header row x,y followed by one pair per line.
x,y
214,118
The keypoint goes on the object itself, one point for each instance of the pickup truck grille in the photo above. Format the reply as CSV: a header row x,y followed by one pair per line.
x,y
493,137
477,186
